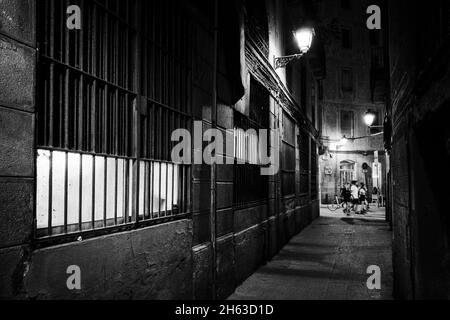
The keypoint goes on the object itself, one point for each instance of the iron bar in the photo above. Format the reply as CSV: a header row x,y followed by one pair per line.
x,y
90,83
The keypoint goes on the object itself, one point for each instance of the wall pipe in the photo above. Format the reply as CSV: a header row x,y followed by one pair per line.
x,y
213,209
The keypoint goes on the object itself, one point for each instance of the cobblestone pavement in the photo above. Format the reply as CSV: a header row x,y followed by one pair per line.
x,y
327,260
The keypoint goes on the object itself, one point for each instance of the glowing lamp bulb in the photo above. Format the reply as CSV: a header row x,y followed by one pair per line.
x,y
369,118
304,38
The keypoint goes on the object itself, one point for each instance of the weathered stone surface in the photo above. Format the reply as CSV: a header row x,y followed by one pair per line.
x,y
315,210
290,223
249,252
246,218
201,172
224,195
12,267
273,237
282,228
16,143
225,172
17,19
17,69
201,227
202,196
16,211
201,256
225,268
224,222
151,263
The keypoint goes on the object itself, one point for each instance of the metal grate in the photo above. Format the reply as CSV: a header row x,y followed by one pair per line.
x,y
314,171
288,156
108,97
249,185
304,151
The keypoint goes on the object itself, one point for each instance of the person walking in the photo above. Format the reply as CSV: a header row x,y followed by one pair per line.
x,y
346,196
362,194
354,195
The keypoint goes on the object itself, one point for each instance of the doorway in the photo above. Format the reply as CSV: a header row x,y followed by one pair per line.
x,y
347,172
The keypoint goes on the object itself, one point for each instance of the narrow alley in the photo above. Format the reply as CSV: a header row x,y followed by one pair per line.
x,y
328,261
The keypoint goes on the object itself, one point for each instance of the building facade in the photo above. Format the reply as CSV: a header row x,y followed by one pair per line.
x,y
354,85
86,173
418,141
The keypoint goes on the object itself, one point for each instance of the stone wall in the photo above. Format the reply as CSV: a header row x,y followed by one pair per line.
x,y
17,123
168,261
419,156
247,236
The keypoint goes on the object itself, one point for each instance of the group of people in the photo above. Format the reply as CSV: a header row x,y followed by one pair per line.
x,y
355,198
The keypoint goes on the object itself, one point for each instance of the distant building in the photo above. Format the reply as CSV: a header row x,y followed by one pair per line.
x,y
355,84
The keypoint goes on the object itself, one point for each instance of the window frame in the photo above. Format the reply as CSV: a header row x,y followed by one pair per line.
x,y
304,159
344,88
352,124
259,98
139,106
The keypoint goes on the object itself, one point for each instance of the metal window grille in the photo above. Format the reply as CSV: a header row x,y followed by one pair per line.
x,y
102,92
288,156
249,185
304,162
165,104
314,171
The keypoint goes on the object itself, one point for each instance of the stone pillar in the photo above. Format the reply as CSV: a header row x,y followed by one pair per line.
x,y
17,140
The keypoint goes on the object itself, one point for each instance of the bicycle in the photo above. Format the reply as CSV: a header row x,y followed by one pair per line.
x,y
335,205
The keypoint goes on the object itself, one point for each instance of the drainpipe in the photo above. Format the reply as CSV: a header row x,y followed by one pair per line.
x,y
214,165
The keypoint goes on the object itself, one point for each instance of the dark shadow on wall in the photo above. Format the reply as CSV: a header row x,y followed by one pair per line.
x,y
431,229
433,137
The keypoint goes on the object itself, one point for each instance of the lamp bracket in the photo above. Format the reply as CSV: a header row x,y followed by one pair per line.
x,y
282,62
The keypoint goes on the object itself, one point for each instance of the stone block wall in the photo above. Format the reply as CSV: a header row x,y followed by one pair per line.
x,y
17,126
420,155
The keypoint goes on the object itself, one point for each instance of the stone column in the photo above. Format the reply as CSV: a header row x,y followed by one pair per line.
x,y
17,140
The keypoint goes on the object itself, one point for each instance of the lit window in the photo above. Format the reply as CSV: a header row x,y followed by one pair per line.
x,y
92,170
